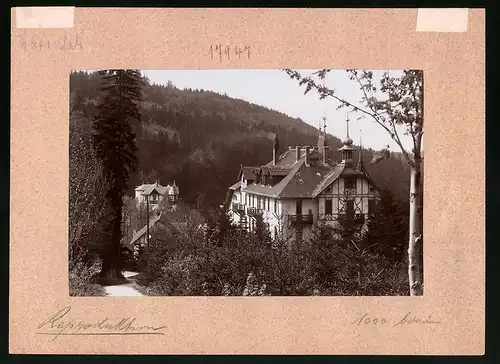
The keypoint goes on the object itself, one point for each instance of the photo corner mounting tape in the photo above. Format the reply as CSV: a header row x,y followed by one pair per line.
x,y
45,17
442,20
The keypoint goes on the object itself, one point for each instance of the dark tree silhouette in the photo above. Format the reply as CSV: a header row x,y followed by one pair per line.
x,y
388,227
114,144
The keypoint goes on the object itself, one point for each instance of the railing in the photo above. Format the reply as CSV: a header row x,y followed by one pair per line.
x,y
357,218
306,219
237,207
328,217
349,190
253,211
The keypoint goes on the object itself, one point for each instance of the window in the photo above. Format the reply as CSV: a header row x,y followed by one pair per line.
x,y
268,204
371,206
350,208
347,155
328,207
349,183
275,206
299,207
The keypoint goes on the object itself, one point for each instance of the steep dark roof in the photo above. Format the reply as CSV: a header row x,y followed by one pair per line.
x,y
304,181
235,186
247,173
149,188
285,160
140,233
341,170
142,187
274,191
162,221
299,180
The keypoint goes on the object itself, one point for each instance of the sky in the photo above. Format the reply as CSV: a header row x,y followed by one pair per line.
x,y
276,90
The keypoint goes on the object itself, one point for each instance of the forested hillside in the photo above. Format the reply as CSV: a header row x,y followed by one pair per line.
x,y
200,138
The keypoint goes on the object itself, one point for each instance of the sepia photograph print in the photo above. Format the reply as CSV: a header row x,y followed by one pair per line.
x,y
246,182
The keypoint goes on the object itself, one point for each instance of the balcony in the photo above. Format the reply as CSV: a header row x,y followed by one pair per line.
x,y
301,219
253,211
328,217
238,207
356,218
350,190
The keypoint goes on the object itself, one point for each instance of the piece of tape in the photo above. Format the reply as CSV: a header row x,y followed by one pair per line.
x,y
442,20
45,17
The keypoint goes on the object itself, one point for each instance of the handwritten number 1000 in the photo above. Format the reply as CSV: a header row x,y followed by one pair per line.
x,y
227,52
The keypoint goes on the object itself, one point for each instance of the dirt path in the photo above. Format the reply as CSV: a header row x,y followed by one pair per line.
x,y
123,290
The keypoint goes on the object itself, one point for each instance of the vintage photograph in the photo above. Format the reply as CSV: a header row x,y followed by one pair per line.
x,y
236,182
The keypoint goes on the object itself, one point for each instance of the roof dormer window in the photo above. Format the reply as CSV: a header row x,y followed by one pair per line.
x,y
349,183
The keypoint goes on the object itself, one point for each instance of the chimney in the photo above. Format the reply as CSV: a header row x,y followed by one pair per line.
x,y
321,143
325,152
307,156
276,145
297,153
322,146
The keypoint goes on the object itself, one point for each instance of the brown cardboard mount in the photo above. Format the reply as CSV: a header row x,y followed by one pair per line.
x,y
454,255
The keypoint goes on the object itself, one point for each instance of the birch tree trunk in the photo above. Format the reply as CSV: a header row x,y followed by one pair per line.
x,y
415,233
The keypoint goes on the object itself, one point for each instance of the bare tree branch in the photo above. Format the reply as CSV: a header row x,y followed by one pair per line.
x,y
324,92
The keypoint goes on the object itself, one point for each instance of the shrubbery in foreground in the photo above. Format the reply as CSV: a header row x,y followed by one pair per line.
x,y
230,262
81,280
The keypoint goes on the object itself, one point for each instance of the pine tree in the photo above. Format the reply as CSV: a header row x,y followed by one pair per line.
x,y
323,255
219,226
388,227
114,144
262,233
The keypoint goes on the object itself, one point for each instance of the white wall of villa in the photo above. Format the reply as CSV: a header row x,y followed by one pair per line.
x,y
276,212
